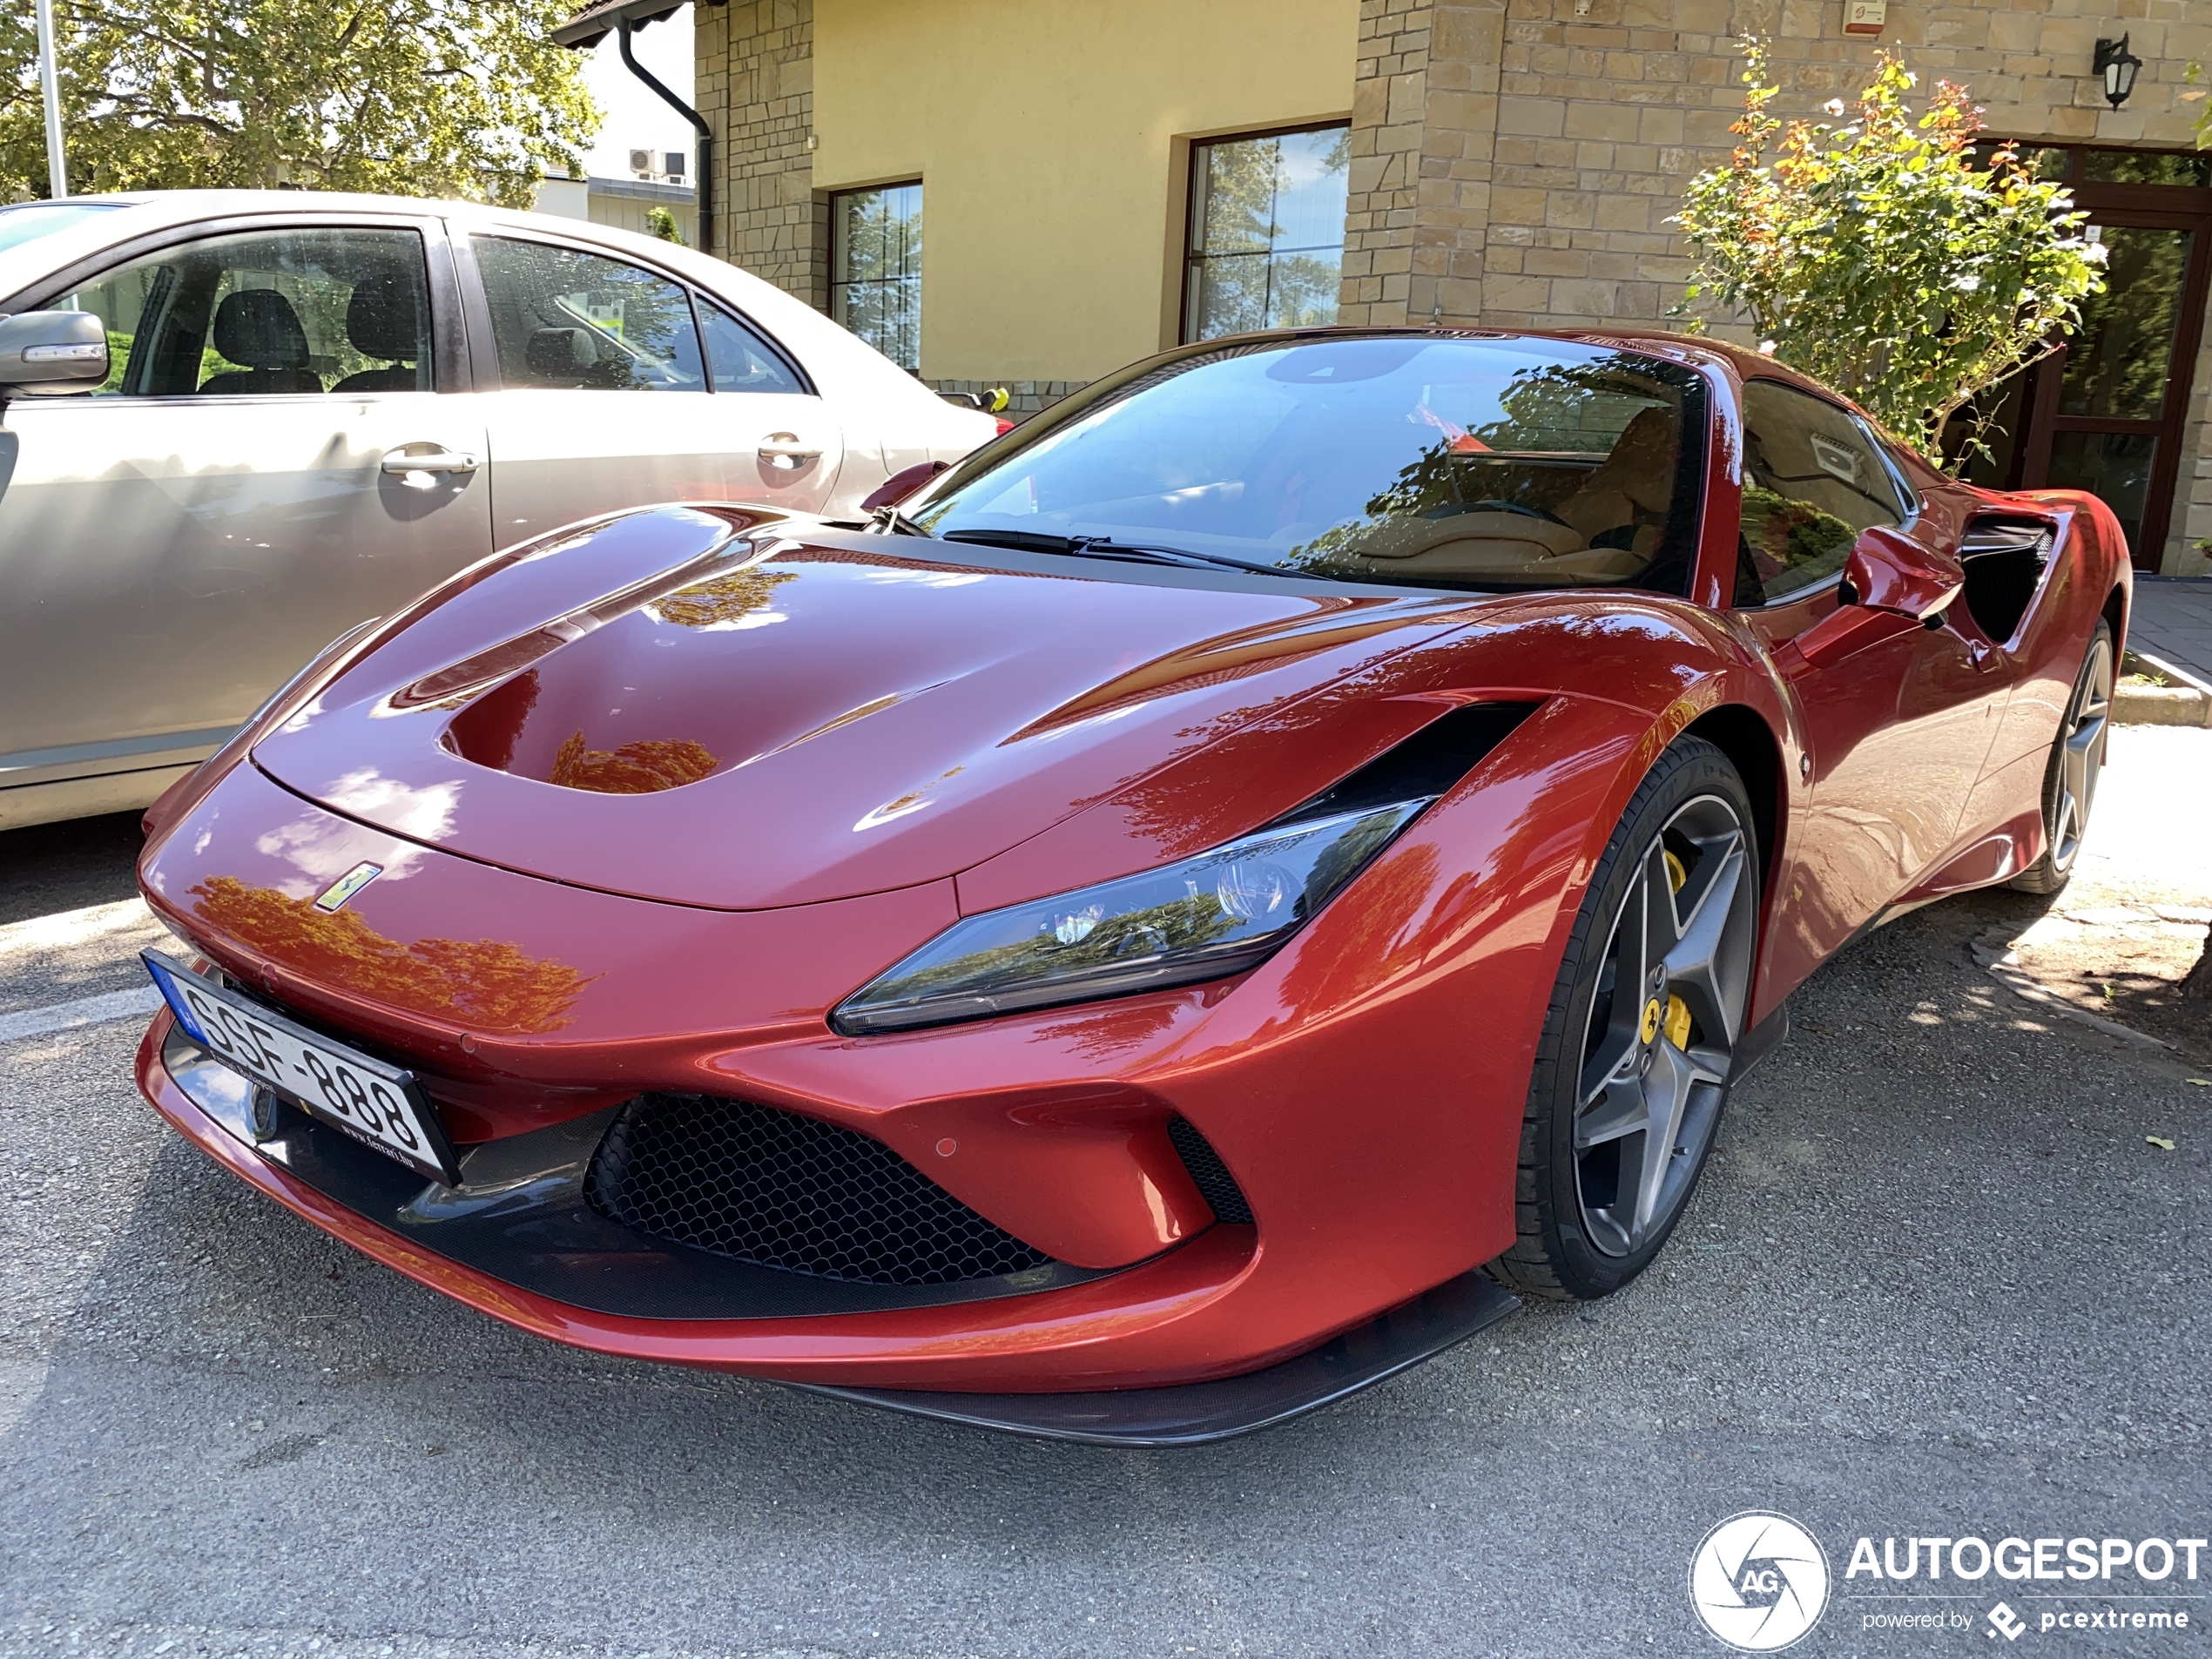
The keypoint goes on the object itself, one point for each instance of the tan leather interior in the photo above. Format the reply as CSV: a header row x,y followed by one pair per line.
x,y
1639,474
1489,544
1637,477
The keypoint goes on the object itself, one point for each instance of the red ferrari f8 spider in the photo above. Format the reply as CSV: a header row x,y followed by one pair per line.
x,y
1183,915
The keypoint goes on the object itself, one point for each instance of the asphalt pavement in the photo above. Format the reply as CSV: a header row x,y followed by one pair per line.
x,y
1938,1282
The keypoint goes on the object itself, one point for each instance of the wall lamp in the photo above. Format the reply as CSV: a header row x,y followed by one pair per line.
x,y
2118,65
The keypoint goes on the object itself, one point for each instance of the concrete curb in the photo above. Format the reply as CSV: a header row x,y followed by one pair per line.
x,y
2161,706
1992,953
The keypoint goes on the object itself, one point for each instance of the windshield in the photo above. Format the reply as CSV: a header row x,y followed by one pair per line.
x,y
1441,461
34,219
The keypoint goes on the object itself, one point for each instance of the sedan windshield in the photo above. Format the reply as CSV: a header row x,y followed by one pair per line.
x,y
1433,460
34,219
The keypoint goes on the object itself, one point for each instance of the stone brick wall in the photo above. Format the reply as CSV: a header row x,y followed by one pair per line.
x,y
1424,130
754,65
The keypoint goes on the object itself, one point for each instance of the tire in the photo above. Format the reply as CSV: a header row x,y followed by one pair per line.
x,y
1674,905
2070,777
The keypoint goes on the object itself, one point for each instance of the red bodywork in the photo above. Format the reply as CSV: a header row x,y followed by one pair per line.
x,y
891,740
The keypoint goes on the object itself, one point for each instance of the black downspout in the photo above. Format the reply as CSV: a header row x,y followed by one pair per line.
x,y
705,188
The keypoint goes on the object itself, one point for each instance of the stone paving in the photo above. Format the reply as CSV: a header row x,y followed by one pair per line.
x,y
2173,622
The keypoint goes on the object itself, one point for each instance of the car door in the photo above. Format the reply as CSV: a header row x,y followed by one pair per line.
x,y
175,544
608,398
1897,717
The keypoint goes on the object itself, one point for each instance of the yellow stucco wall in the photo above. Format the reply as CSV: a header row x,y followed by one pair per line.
x,y
1051,138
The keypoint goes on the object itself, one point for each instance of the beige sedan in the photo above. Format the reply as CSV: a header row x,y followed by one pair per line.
x,y
317,406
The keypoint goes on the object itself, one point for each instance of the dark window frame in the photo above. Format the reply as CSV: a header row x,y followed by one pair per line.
x,y
836,199
1190,197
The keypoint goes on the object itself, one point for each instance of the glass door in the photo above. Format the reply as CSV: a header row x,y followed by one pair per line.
x,y
2106,412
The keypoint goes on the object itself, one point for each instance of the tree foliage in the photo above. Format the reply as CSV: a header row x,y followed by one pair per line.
x,y
415,98
1879,257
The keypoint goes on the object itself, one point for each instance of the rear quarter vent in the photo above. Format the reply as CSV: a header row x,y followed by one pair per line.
x,y
2005,561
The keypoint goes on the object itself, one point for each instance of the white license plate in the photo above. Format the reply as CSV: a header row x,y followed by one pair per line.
x,y
375,1103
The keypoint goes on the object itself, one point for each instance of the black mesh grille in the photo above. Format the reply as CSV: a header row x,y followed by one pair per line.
x,y
783,1190
1208,1173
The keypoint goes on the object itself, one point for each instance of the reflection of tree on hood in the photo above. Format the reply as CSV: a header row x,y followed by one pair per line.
x,y
487,984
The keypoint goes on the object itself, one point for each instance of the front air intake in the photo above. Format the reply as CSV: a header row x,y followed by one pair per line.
x,y
776,1189
1208,1173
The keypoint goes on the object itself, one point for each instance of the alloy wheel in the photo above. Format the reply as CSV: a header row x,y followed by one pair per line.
x,y
1664,1023
2081,755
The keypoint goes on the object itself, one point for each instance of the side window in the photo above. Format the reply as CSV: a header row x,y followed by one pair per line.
x,y
276,312
740,360
582,322
1811,482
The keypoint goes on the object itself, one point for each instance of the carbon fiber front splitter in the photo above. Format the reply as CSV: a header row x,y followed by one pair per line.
x,y
1196,1413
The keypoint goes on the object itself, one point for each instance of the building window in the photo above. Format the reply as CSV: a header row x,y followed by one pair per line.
x,y
875,270
1266,240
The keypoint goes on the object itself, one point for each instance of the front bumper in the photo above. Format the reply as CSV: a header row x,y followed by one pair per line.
x,y
517,1241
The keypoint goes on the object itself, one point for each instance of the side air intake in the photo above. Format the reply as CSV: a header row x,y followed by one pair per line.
x,y
1208,1173
1428,763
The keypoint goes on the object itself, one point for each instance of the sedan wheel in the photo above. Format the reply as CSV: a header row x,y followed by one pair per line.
x,y
1642,1033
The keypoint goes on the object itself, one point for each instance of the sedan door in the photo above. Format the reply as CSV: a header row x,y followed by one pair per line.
x,y
175,544
609,398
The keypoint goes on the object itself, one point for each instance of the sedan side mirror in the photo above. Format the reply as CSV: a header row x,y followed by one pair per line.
x,y
50,354
1888,571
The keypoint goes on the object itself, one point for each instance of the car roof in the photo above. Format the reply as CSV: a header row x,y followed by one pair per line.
x,y
140,212
1693,351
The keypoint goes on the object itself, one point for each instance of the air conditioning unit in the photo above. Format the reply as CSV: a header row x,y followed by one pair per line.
x,y
675,168
641,161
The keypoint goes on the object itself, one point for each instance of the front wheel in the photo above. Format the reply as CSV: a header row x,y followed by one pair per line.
x,y
1633,1064
2070,779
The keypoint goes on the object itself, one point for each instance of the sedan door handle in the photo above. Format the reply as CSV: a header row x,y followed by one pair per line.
x,y
785,452
399,463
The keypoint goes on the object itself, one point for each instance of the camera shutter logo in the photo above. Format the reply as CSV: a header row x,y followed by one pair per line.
x,y
1759,1581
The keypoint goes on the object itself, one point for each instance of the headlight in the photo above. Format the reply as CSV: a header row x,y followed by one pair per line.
x,y
1205,918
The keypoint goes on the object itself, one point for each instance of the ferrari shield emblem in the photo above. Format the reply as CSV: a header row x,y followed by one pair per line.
x,y
335,896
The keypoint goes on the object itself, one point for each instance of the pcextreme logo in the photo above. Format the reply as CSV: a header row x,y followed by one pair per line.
x,y
1759,1581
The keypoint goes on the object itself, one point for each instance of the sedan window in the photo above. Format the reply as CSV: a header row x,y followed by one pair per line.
x,y
1401,459
575,321
277,311
740,359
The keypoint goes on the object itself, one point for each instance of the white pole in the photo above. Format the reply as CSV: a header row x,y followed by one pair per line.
x,y
57,173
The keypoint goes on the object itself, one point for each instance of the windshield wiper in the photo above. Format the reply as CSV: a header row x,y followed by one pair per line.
x,y
1105,547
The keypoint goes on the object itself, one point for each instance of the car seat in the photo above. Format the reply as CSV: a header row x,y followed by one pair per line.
x,y
257,327
384,319
1638,474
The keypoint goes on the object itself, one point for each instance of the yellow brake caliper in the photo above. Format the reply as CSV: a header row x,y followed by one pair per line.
x,y
1677,1010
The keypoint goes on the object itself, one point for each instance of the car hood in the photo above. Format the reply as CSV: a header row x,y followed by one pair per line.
x,y
717,707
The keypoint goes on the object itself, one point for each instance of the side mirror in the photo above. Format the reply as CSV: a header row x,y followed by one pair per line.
x,y
902,483
1888,571
50,354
